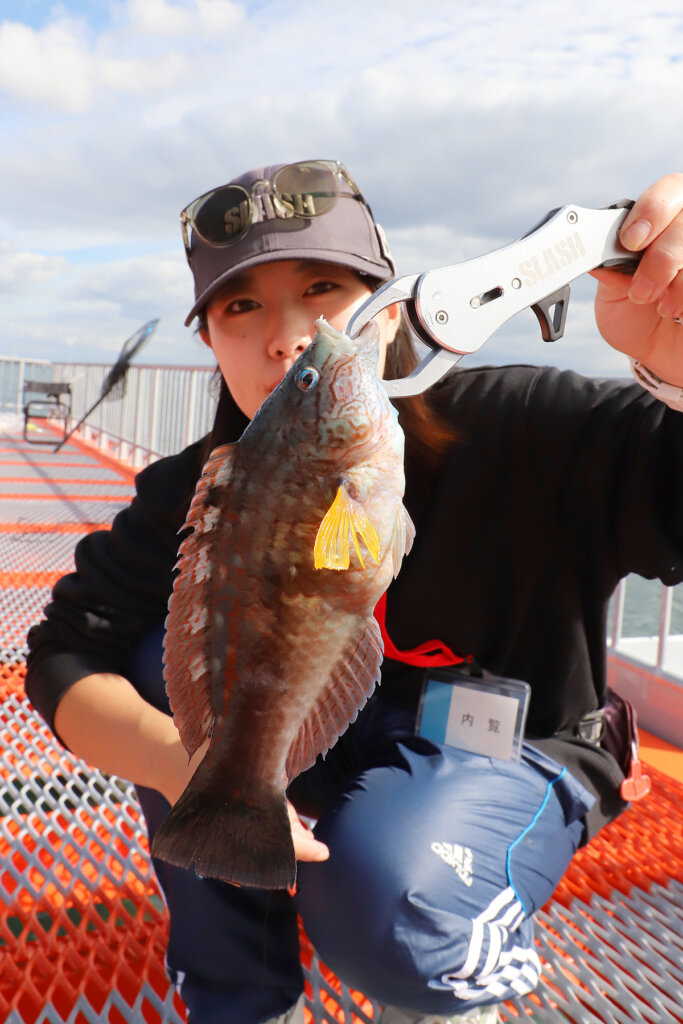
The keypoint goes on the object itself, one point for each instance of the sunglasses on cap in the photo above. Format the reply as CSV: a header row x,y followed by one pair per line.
x,y
306,189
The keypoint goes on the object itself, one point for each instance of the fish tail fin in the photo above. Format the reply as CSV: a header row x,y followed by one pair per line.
x,y
244,838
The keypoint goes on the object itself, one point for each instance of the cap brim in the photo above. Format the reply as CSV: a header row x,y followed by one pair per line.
x,y
379,271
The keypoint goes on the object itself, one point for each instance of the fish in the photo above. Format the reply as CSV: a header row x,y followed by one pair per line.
x,y
271,646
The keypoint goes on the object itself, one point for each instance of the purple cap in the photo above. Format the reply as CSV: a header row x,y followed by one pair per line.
x,y
347,235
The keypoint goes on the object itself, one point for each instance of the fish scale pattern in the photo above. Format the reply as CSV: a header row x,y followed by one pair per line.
x,y
83,927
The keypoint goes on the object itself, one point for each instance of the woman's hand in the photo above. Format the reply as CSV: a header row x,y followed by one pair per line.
x,y
306,846
636,314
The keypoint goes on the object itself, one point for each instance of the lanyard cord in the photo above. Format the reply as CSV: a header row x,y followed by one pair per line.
x,y
430,654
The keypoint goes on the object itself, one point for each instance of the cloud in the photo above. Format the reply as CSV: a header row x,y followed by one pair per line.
x,y
159,17
95,308
63,66
137,286
50,67
21,271
462,126
56,309
142,77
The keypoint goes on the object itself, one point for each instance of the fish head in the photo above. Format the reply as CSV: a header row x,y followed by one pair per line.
x,y
331,400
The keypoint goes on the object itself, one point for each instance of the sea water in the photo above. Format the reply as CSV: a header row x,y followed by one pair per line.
x,y
642,608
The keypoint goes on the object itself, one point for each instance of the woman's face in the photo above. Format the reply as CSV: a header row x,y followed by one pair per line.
x,y
264,317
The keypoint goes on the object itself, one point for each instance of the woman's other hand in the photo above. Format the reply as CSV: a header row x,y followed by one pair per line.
x,y
636,314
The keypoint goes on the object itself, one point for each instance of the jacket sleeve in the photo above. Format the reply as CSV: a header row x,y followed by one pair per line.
x,y
611,461
120,589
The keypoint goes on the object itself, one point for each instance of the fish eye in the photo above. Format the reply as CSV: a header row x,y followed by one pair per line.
x,y
307,378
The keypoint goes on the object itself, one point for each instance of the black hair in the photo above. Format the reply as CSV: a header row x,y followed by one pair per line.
x,y
428,434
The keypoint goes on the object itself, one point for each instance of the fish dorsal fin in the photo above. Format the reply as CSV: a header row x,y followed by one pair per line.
x,y
349,687
402,538
187,669
215,474
343,521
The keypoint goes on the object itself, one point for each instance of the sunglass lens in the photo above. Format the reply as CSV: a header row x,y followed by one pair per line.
x,y
223,216
307,189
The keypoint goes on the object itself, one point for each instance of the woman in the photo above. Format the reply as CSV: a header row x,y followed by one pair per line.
x,y
532,492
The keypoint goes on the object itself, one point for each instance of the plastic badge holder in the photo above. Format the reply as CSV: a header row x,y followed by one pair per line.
x,y
485,715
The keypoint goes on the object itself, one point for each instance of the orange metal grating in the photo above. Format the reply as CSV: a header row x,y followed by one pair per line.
x,y
83,927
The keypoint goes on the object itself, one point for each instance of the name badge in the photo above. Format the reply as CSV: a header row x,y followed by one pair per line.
x,y
484,716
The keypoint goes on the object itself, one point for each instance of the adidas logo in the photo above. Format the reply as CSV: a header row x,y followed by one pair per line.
x,y
460,858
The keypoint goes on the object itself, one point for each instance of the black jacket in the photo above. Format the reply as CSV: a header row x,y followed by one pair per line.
x,y
556,488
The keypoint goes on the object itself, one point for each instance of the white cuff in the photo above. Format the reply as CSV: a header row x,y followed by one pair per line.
x,y
670,394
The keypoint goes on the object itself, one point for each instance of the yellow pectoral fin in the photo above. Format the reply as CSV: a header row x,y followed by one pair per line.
x,y
360,522
343,521
331,549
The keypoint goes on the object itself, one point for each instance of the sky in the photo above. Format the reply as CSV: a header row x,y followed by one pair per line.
x,y
462,123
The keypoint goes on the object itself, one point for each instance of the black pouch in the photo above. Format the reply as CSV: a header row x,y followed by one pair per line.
x,y
620,733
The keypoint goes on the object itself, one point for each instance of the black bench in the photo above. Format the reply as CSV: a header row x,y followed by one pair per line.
x,y
54,403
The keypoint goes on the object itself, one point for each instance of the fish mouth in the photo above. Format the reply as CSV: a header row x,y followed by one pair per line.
x,y
366,343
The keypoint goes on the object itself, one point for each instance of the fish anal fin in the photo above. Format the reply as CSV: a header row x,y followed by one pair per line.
x,y
351,684
343,522
402,538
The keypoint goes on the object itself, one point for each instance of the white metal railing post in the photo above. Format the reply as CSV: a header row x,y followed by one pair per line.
x,y
20,386
665,610
122,446
191,411
618,613
154,419
137,419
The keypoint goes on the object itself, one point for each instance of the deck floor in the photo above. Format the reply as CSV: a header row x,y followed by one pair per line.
x,y
82,924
